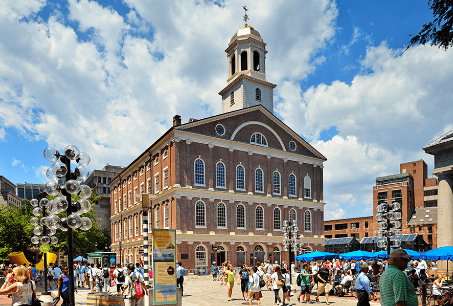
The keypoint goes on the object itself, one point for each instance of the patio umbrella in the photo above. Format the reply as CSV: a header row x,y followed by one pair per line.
x,y
442,253
316,255
80,258
414,254
356,255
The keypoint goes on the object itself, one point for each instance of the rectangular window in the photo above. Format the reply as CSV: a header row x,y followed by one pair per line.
x,y
104,180
327,228
135,198
130,227
142,171
148,166
396,194
430,228
99,180
339,227
125,229
366,234
366,225
135,175
108,190
156,183
165,154
104,190
116,206
130,198
307,193
156,160
157,217
355,225
136,225
412,229
166,221
165,178
420,228
124,202
142,188
382,195
114,191
119,204
109,180
430,237
148,182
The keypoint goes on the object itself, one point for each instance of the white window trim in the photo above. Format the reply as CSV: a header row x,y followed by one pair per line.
x,y
129,199
204,172
130,228
305,197
224,172
236,174
195,219
295,186
280,179
245,216
148,184
165,154
148,166
217,215
135,175
135,192
142,185
129,181
136,225
116,206
258,228
259,144
142,171
156,190
205,255
163,178
262,182
281,225
166,216
311,221
289,216
156,160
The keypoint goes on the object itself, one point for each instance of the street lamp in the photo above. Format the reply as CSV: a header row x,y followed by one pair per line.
x,y
63,184
291,240
389,225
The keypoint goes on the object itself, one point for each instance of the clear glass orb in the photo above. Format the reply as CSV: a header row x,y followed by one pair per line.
x,y
82,173
64,224
35,240
34,221
53,240
51,231
85,192
72,186
37,211
86,224
74,220
76,207
38,230
50,154
54,221
52,188
45,221
60,169
83,159
71,152
85,206
45,239
50,174
62,204
285,248
34,202
43,203
285,223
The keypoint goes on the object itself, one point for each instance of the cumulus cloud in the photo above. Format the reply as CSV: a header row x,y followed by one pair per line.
x,y
15,162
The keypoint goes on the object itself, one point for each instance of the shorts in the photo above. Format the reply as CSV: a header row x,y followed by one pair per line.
x,y
266,276
81,277
324,288
230,285
50,278
305,289
255,295
286,289
244,285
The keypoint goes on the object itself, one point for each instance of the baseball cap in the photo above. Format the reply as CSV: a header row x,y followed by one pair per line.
x,y
400,253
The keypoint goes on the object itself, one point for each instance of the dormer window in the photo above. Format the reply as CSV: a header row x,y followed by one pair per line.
x,y
259,139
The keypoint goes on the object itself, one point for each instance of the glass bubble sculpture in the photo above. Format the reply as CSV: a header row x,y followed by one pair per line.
x,y
37,211
52,188
38,230
86,224
50,174
54,221
62,204
83,159
85,192
45,221
71,152
43,203
64,224
51,231
72,186
82,173
59,169
34,202
85,206
45,239
74,220
35,240
50,154
53,240
34,221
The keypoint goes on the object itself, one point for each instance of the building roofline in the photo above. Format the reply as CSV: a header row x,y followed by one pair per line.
x,y
393,176
4,178
356,218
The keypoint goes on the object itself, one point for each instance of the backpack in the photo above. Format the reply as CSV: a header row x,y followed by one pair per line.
x,y
299,279
136,288
120,276
231,277
106,273
262,282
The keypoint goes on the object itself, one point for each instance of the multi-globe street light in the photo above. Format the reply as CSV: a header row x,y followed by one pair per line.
x,y
291,240
63,183
389,225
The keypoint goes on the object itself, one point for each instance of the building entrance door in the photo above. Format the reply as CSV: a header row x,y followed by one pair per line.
x,y
240,256
276,255
259,254
221,255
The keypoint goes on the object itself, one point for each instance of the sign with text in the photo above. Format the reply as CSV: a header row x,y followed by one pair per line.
x,y
164,266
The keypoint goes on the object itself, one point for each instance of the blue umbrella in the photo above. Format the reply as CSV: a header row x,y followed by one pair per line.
x,y
316,255
442,253
414,254
80,258
356,255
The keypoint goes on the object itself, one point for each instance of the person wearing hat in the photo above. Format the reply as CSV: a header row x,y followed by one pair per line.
x,y
395,287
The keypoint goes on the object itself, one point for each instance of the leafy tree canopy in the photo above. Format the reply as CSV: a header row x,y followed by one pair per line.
x,y
440,31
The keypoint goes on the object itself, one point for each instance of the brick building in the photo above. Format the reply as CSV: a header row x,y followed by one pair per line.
x,y
352,227
228,180
8,193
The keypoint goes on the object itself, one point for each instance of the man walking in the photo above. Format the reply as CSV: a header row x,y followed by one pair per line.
x,y
323,282
255,290
362,286
395,287
180,273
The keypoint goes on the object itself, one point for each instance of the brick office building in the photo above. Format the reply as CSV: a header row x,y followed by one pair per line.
x,y
227,181
352,227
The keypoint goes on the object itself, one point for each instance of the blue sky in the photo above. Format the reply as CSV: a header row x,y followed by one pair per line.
x,y
94,73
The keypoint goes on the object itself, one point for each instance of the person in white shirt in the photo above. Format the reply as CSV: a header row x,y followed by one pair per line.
x,y
287,287
274,278
91,278
347,277
56,274
50,276
314,271
120,277
131,278
255,289
423,267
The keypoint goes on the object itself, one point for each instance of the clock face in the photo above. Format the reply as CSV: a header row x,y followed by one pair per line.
x,y
220,130
292,145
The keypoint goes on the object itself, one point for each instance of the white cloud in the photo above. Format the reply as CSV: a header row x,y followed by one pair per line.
x,y
41,173
15,162
2,134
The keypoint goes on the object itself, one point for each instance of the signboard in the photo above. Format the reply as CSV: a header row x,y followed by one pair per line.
x,y
164,266
45,248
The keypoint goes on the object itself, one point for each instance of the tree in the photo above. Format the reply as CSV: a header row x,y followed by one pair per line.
x,y
440,31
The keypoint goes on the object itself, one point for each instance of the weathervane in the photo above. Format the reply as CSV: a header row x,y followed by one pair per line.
x,y
246,17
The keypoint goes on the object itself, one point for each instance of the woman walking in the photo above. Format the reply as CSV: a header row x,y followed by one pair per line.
x,y
230,278
286,287
63,287
277,283
133,277
19,285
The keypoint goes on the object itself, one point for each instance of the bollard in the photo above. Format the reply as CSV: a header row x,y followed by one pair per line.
x,y
423,286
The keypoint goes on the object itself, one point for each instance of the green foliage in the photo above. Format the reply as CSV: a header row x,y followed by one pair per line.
x,y
440,31
16,230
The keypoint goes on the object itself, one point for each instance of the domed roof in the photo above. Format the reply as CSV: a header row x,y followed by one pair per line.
x,y
247,30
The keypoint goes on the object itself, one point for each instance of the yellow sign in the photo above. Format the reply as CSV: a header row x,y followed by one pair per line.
x,y
45,248
164,266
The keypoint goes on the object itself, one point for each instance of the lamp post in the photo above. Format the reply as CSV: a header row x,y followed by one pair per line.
x,y
62,184
291,240
389,225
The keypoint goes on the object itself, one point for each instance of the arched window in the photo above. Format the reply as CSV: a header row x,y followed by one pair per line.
x,y
240,177
232,98
200,256
200,214
258,94
256,61
259,217
221,215
244,65
276,182
292,215
233,64
240,216
220,175
240,249
292,185
259,180
259,139
199,172
307,187
277,219
307,221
